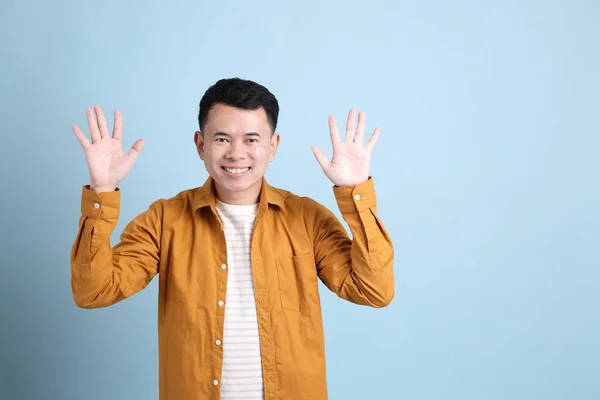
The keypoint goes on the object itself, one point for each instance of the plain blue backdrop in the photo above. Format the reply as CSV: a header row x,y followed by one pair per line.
x,y
486,175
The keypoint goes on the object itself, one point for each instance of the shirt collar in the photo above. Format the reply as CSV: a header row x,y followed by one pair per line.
x,y
204,195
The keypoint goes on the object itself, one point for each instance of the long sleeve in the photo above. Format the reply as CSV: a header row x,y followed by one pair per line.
x,y
360,269
102,275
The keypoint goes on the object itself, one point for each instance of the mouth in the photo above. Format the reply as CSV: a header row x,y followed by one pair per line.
x,y
235,171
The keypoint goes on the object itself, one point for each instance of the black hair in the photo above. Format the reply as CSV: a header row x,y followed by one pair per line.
x,y
239,93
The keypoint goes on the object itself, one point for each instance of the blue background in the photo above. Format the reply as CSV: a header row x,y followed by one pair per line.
x,y
486,174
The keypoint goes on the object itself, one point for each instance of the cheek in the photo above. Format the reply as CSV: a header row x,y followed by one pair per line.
x,y
212,154
259,152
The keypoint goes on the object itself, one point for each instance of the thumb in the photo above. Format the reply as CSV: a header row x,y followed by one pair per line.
x,y
136,149
321,158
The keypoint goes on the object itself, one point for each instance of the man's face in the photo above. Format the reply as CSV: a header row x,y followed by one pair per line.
x,y
236,147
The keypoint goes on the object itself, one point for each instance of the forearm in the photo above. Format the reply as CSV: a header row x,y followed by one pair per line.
x,y
358,269
92,277
370,277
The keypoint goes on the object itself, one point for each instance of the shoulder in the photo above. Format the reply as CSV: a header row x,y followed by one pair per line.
x,y
300,205
176,204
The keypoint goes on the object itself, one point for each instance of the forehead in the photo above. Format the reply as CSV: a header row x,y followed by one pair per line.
x,y
232,120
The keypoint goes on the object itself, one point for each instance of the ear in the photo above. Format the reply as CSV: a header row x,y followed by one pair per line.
x,y
199,141
274,145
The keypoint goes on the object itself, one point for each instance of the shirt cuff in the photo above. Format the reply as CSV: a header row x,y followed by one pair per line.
x,y
356,198
105,204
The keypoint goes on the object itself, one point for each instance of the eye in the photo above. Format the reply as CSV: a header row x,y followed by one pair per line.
x,y
221,140
253,140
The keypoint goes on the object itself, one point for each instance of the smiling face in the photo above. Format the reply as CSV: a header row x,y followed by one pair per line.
x,y
236,146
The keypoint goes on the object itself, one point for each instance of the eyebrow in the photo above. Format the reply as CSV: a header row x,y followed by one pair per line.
x,y
225,134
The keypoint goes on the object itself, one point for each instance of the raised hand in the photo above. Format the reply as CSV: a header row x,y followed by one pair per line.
x,y
351,160
107,164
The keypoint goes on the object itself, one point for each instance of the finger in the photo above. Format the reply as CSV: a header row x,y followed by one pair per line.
x,y
93,125
85,143
350,126
373,140
118,127
360,129
321,158
102,125
136,149
334,132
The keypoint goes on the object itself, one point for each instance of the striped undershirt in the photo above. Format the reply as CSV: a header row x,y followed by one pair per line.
x,y
242,372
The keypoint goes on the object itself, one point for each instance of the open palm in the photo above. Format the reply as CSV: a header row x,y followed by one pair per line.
x,y
351,159
107,163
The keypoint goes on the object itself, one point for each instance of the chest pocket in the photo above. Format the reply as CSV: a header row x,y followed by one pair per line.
x,y
298,284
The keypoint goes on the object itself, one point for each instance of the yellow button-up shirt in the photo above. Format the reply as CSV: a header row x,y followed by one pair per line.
x,y
295,242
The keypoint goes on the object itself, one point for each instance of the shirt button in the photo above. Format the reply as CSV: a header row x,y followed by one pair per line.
x,y
223,266
221,303
96,205
215,382
218,342
357,197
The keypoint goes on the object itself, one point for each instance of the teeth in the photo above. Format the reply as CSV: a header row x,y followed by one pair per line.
x,y
236,170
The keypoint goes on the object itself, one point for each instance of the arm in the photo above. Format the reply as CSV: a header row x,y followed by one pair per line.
x,y
358,270
102,275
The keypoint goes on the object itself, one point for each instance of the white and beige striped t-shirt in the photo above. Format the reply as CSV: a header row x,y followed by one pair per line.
x,y
242,372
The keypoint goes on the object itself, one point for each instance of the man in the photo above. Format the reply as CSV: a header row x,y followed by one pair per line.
x,y
238,260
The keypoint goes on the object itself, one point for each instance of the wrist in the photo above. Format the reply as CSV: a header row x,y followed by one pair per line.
x,y
102,189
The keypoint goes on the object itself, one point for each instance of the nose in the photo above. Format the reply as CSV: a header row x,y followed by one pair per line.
x,y
236,151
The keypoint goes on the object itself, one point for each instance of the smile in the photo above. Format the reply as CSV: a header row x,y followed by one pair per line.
x,y
236,171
